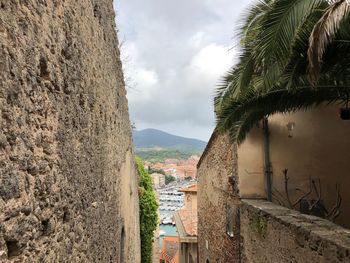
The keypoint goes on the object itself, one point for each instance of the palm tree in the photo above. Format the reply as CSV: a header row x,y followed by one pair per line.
x,y
295,54
323,33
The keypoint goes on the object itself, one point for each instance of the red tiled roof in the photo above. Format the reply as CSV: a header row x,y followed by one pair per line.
x,y
175,258
170,249
189,220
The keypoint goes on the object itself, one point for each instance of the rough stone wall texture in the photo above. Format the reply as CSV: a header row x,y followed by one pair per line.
x,y
271,233
68,190
215,195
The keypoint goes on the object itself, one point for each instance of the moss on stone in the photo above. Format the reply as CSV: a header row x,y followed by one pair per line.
x,y
258,224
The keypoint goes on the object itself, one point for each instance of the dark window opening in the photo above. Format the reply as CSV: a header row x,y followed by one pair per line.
x,y
122,247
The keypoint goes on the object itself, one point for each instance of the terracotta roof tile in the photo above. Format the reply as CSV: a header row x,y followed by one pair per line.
x,y
170,248
189,220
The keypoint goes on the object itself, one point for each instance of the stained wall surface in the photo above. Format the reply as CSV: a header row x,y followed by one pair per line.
x,y
68,190
250,166
317,147
271,233
216,195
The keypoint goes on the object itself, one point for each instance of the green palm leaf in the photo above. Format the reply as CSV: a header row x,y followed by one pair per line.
x,y
281,25
272,74
241,115
323,32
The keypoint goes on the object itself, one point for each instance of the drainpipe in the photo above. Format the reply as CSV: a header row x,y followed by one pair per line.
x,y
267,161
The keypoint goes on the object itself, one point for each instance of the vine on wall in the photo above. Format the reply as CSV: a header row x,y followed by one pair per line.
x,y
148,212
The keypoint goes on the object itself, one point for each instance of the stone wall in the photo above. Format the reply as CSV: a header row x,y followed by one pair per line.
x,y
216,196
271,233
68,190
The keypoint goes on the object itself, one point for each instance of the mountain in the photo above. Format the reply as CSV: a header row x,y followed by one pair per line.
x,y
156,139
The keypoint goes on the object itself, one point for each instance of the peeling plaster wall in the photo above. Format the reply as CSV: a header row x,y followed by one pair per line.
x,y
67,180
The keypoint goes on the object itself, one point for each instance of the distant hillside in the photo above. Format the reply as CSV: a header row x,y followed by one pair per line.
x,y
158,140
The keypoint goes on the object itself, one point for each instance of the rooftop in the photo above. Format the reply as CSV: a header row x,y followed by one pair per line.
x,y
189,221
170,249
192,188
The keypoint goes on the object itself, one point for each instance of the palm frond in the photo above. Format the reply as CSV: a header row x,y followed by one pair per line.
x,y
281,25
241,115
242,127
323,32
272,74
235,80
251,22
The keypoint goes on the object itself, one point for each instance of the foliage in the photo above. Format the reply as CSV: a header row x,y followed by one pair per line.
x,y
169,179
158,171
323,33
284,66
156,156
148,212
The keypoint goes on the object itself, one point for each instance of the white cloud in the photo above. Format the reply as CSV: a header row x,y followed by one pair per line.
x,y
148,80
177,51
197,39
212,60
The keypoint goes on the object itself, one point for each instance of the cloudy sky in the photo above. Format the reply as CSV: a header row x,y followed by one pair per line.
x,y
174,52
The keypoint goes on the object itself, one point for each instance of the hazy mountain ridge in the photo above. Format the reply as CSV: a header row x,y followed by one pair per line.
x,y
153,139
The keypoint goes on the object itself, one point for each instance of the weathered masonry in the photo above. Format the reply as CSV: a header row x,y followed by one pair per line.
x,y
299,162
68,189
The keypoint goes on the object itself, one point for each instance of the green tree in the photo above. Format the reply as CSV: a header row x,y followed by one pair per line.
x,y
148,212
169,179
156,156
295,54
158,171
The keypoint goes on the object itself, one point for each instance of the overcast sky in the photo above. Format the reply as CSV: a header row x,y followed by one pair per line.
x,y
174,52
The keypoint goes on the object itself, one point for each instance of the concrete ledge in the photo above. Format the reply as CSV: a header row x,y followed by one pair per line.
x,y
270,226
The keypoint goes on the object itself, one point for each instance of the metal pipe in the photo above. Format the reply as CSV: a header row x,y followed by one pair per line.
x,y
267,161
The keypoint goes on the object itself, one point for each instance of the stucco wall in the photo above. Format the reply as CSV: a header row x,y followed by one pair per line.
x,y
215,194
271,233
191,201
67,181
251,179
317,147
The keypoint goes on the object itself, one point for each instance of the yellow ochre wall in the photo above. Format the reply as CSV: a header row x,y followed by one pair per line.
x,y
317,147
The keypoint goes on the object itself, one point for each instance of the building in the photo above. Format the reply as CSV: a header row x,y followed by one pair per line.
x,y
170,250
158,180
187,224
171,161
250,196
215,196
190,197
180,169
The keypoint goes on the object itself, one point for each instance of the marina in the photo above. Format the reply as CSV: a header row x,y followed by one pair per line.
x,y
170,201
